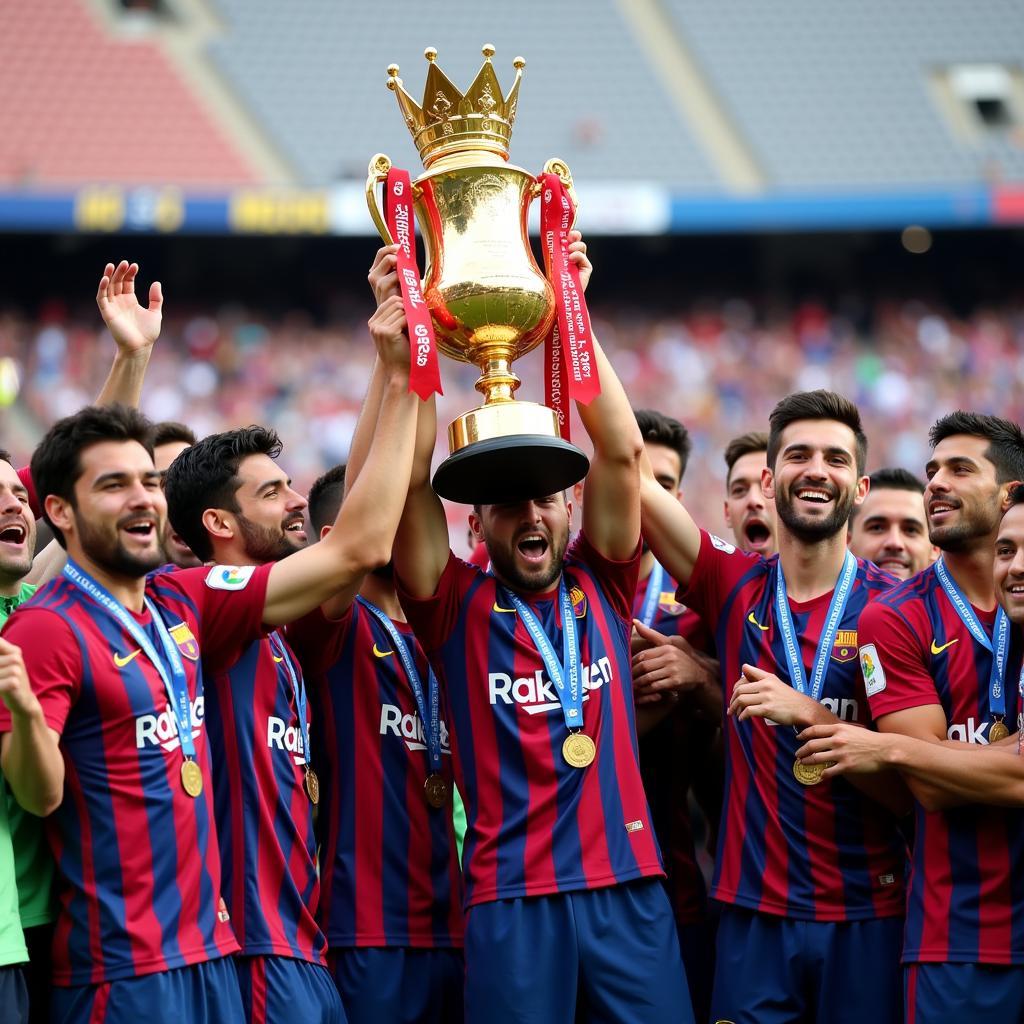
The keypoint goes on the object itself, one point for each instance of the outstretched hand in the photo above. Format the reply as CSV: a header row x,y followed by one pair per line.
x,y
133,326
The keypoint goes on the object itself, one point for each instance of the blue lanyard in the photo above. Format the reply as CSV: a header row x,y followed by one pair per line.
x,y
569,694
837,606
175,682
298,689
1001,631
652,596
431,724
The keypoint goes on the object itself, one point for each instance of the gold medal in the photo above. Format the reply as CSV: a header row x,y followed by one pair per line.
x,y
579,749
809,774
191,778
312,785
998,732
435,789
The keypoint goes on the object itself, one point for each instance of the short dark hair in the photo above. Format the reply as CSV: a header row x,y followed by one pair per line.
x,y
891,478
325,497
815,405
168,431
1015,497
206,476
746,444
6,456
57,461
657,428
1006,442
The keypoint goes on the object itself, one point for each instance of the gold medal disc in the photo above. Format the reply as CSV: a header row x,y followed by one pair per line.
x,y
579,749
435,789
191,778
998,732
312,785
809,774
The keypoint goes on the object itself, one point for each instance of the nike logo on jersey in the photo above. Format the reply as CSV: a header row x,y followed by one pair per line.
x,y
936,649
754,622
378,653
127,659
277,659
507,611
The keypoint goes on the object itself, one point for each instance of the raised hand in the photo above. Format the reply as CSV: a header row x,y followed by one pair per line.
x,y
388,330
133,326
578,255
383,276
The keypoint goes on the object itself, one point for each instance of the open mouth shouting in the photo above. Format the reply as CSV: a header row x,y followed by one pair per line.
x,y
532,548
757,534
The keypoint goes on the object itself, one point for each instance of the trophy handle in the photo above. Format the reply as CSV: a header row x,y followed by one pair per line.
x,y
377,172
561,168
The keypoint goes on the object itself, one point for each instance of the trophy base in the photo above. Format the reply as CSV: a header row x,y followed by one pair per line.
x,y
516,467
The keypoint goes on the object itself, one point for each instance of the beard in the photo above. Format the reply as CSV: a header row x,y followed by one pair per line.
x,y
266,543
976,522
107,551
503,562
812,530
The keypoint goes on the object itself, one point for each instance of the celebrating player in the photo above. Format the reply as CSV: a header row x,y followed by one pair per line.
x,y
810,872
938,656
564,910
169,440
889,528
115,664
748,513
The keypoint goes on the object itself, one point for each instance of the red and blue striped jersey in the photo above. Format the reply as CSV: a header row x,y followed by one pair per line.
x,y
818,853
535,824
966,898
138,868
388,862
264,815
670,756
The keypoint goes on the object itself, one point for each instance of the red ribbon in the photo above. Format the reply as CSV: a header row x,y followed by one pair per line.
x,y
571,366
424,374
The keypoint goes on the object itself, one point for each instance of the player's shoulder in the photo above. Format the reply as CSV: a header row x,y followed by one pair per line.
x,y
877,582
905,594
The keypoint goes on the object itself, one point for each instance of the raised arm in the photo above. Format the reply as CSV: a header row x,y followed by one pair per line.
x,y
133,327
668,528
364,529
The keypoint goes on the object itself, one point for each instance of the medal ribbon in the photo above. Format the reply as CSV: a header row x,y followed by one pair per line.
x,y
431,722
1000,650
298,690
571,369
652,596
570,694
841,594
175,682
424,374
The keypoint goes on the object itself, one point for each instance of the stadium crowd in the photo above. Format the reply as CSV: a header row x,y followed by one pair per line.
x,y
297,760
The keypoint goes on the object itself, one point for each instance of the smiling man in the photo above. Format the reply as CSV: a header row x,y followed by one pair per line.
x,y
889,528
810,872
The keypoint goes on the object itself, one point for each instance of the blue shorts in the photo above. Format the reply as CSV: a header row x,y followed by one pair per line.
x,y
953,993
283,990
597,956
774,970
398,985
201,992
13,995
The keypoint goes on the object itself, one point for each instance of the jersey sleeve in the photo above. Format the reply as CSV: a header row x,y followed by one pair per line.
x,y
892,662
433,618
618,579
318,641
229,601
720,566
53,662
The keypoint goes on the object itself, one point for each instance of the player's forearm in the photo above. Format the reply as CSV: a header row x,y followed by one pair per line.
x,y
363,434
667,527
33,763
609,419
47,565
124,382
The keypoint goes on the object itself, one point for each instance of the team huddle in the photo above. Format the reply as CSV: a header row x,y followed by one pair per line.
x,y
254,774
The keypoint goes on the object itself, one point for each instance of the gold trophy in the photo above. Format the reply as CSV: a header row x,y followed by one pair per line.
x,y
489,301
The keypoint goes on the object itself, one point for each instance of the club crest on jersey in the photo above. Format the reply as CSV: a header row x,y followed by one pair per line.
x,y
845,646
579,602
668,604
871,669
188,645
229,577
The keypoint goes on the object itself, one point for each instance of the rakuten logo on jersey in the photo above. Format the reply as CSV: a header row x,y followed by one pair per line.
x,y
282,736
162,730
971,732
536,694
408,727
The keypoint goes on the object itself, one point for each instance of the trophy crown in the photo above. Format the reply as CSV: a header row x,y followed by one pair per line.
x,y
449,121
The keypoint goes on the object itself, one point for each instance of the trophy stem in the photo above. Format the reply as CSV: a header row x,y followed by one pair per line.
x,y
497,382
